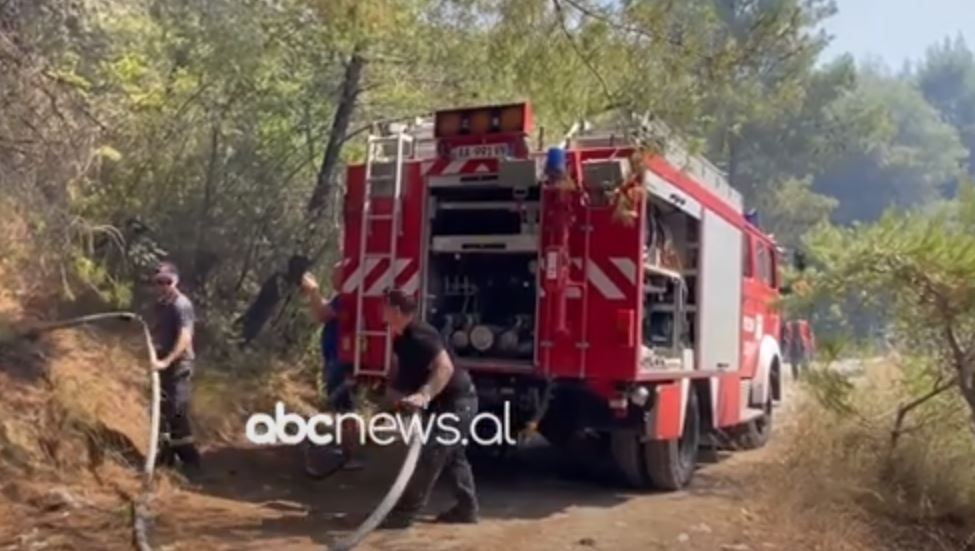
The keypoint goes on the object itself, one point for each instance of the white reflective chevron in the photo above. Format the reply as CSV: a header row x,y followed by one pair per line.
x,y
598,278
412,284
388,278
356,277
626,267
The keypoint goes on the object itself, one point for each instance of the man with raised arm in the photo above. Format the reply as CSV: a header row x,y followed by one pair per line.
x,y
338,392
427,379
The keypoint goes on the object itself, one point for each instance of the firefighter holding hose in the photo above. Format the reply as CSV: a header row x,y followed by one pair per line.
x,y
172,333
425,378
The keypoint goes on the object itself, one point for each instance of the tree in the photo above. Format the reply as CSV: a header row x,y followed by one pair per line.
x,y
921,266
947,80
906,162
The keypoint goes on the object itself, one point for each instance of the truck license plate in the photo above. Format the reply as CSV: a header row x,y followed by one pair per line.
x,y
479,151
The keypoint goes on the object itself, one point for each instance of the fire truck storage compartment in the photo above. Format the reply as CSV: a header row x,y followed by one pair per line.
x,y
481,285
671,273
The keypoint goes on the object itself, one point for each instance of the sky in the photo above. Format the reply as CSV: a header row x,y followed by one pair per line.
x,y
897,30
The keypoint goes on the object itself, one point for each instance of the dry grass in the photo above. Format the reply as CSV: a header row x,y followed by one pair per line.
x,y
839,477
223,399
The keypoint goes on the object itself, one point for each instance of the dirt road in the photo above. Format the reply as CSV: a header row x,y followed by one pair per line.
x,y
260,499
263,502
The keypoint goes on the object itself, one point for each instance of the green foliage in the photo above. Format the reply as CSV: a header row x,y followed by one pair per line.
x,y
198,128
94,278
793,209
947,79
832,390
918,270
908,162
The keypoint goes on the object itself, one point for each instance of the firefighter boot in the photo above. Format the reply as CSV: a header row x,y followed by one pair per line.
x,y
165,456
457,515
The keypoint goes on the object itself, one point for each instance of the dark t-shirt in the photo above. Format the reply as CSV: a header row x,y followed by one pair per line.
x,y
415,350
170,317
330,336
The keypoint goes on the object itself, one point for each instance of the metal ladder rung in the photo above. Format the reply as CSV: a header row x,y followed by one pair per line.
x,y
406,138
382,178
372,333
379,217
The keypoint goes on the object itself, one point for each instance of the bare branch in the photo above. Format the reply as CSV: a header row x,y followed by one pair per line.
x,y
582,56
904,410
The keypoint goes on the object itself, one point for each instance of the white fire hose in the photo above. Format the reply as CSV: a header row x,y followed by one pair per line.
x,y
388,502
140,507
141,513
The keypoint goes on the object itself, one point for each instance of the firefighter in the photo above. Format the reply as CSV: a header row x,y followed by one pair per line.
x,y
786,342
172,333
797,348
335,373
425,377
808,343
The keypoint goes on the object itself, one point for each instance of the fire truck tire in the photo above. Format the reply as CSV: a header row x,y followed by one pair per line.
x,y
627,452
755,433
670,464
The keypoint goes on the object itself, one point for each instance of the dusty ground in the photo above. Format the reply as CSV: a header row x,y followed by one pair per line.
x,y
267,504
259,499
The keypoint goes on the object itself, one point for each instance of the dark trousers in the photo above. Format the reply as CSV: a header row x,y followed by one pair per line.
x,y
338,390
450,458
176,435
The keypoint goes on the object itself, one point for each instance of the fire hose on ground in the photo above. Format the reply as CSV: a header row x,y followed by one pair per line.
x,y
141,510
388,502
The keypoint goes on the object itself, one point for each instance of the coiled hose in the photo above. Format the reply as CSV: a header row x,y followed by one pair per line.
x,y
141,511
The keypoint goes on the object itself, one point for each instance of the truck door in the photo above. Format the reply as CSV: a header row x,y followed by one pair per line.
x,y
759,317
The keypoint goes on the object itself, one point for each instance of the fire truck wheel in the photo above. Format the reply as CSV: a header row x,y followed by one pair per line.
x,y
670,464
755,433
627,453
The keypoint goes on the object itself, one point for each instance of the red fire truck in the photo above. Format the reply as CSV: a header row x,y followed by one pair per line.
x,y
600,290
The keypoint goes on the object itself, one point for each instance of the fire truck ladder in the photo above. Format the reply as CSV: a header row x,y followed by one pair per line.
x,y
376,154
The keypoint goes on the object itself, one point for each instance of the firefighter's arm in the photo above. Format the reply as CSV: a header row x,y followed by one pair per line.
x,y
319,307
182,345
441,370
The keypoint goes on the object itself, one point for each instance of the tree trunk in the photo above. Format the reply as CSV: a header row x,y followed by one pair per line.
x,y
966,383
263,306
348,98
203,260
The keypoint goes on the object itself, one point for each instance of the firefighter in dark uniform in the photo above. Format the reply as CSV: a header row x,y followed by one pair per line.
x,y
172,332
424,377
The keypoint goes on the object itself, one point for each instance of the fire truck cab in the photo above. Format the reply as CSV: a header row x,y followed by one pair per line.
x,y
598,291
